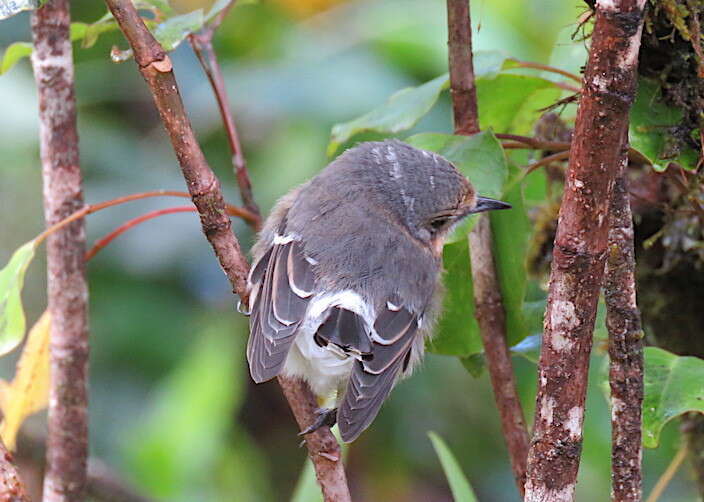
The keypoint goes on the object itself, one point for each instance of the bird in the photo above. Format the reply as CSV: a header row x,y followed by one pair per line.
x,y
346,278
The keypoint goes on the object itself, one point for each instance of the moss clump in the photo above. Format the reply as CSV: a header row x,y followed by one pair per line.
x,y
671,53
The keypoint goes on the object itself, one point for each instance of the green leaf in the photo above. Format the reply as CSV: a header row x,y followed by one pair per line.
x,y
174,30
474,364
401,112
406,107
14,52
651,123
216,8
219,5
510,103
511,232
488,64
461,489
457,332
12,320
673,385
480,158
89,33
9,8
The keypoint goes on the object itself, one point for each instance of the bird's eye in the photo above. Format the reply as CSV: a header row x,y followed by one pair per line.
x,y
438,223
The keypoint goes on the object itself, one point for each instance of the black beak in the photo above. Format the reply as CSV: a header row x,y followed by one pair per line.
x,y
487,204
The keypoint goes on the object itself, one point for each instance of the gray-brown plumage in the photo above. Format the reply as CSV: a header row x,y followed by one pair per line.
x,y
346,272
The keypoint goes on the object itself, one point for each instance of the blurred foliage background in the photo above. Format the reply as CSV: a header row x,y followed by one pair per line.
x,y
171,404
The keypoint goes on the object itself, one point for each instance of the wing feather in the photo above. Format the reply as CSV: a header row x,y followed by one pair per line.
x,y
374,376
277,308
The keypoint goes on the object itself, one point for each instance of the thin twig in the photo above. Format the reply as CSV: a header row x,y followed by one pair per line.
x,y
535,143
103,242
11,486
487,294
202,44
93,208
580,251
544,67
625,346
667,476
555,157
67,290
156,68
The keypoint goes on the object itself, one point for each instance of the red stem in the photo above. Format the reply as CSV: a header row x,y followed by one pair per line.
x,y
202,44
101,243
552,69
94,208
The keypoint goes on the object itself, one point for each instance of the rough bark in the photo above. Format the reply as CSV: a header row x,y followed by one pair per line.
x,y
580,251
462,87
492,327
11,486
323,448
67,448
487,294
155,66
625,348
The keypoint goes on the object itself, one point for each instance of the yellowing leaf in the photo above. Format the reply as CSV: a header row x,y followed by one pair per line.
x,y
12,322
29,391
14,53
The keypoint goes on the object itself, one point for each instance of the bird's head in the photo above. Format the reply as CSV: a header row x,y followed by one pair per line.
x,y
428,194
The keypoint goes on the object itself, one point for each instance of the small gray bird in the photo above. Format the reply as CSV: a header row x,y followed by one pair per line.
x,y
345,284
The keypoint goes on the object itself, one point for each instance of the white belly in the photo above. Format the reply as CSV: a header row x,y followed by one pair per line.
x,y
325,369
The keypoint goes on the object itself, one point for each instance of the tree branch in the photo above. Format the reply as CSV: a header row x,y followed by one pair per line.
x,y
11,486
489,307
580,250
492,327
155,66
202,44
67,443
462,87
625,346
323,448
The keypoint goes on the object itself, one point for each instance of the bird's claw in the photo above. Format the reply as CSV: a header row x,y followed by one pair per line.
x,y
325,417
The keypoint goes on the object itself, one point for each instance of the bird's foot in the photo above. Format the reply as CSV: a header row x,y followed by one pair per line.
x,y
325,417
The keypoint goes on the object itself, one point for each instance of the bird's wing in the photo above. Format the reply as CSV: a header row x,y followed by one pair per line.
x,y
282,284
375,373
